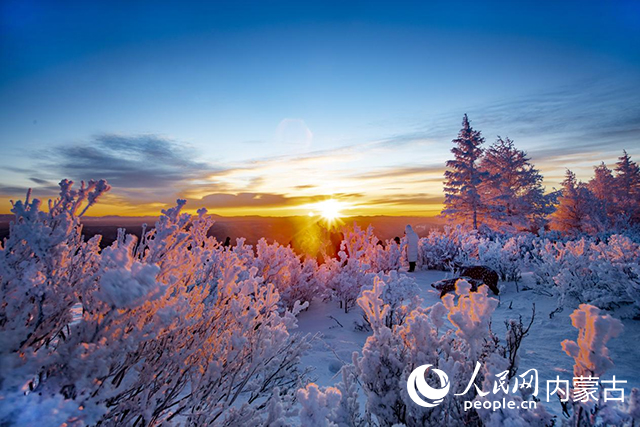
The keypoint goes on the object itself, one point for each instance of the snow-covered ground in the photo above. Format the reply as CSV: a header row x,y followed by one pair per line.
x,y
338,337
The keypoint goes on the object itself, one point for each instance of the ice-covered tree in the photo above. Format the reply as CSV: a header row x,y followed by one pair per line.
x,y
511,189
627,188
602,186
463,177
575,210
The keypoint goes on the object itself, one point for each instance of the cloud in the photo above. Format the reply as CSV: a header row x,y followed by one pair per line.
x,y
129,162
39,192
252,200
242,200
17,170
428,136
265,199
576,126
590,121
404,171
591,114
410,199
11,190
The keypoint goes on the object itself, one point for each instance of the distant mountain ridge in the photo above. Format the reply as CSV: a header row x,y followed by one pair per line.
x,y
284,230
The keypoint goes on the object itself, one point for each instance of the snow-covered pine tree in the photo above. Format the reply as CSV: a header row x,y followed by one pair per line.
x,y
575,207
627,188
601,186
511,189
462,199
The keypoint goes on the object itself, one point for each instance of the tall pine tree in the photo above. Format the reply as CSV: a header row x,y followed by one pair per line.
x,y
575,207
602,186
627,188
462,179
511,190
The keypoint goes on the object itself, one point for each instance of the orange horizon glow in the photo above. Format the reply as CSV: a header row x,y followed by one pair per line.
x,y
294,185
106,207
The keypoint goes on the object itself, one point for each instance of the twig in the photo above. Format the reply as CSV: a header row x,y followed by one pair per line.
x,y
336,320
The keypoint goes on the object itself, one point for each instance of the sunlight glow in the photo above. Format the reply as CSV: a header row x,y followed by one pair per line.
x,y
331,209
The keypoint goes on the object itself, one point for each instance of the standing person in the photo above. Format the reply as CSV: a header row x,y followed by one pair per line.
x,y
412,248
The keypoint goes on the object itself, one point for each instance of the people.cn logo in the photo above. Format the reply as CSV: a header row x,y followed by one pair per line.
x,y
418,383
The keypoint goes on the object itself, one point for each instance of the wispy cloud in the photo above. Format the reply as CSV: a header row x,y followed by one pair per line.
x,y
252,201
404,171
581,118
411,199
129,162
576,126
39,181
244,200
11,190
589,121
590,114
16,191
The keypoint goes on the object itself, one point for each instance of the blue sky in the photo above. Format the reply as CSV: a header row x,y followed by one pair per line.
x,y
268,107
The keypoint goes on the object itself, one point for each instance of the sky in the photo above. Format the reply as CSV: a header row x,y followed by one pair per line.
x,y
267,108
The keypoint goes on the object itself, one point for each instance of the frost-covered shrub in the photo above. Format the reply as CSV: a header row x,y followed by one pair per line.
x,y
172,328
514,256
43,265
126,282
438,250
400,294
442,250
454,247
544,264
344,278
244,252
506,255
332,406
295,280
592,360
367,248
394,256
590,351
605,273
391,354
319,407
359,259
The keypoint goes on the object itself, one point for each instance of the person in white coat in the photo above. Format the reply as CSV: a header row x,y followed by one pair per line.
x,y
412,247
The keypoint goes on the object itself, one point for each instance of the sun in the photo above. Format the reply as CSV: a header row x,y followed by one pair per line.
x,y
329,212
330,209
